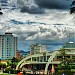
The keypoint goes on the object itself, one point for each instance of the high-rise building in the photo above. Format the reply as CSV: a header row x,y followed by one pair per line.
x,y
8,46
38,48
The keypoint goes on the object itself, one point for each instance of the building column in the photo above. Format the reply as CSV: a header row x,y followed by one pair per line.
x,y
39,59
31,58
46,57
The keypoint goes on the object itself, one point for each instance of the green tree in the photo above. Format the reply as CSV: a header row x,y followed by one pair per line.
x,y
64,60
14,61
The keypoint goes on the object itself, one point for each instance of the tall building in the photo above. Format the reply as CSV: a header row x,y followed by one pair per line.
x,y
38,48
8,46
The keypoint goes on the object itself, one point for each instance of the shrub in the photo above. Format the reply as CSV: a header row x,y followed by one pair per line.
x,y
11,71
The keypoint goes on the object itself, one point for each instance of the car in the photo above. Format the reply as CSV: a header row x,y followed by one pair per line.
x,y
29,72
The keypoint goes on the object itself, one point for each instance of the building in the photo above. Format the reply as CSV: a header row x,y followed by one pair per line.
x,y
8,46
18,56
69,45
54,58
38,48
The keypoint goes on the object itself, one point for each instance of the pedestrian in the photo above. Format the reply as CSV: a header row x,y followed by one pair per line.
x,y
9,72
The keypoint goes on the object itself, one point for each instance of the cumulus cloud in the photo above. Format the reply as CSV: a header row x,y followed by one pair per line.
x,y
33,32
37,6
51,28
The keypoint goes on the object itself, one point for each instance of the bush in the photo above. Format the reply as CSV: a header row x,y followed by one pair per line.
x,y
66,72
11,71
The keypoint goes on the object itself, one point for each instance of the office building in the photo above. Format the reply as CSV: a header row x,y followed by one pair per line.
x,y
38,48
8,46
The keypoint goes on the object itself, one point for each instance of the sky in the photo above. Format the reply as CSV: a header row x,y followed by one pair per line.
x,y
39,6
48,22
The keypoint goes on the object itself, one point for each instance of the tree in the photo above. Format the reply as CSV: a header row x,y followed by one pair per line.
x,y
64,59
8,63
14,60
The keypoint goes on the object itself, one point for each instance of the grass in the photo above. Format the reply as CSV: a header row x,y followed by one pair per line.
x,y
7,74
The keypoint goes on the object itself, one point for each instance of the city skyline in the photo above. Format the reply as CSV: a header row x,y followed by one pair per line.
x,y
41,22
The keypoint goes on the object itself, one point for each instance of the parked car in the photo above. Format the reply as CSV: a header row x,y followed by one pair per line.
x,y
29,72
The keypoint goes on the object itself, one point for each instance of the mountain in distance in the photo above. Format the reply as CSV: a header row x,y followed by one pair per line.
x,y
23,52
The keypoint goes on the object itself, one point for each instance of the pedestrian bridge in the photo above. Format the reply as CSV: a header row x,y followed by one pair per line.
x,y
41,58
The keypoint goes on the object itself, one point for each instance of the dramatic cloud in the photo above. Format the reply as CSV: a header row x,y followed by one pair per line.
x,y
33,9
29,6
54,4
52,28
37,6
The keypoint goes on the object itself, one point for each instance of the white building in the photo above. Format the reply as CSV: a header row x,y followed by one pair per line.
x,y
38,48
8,46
